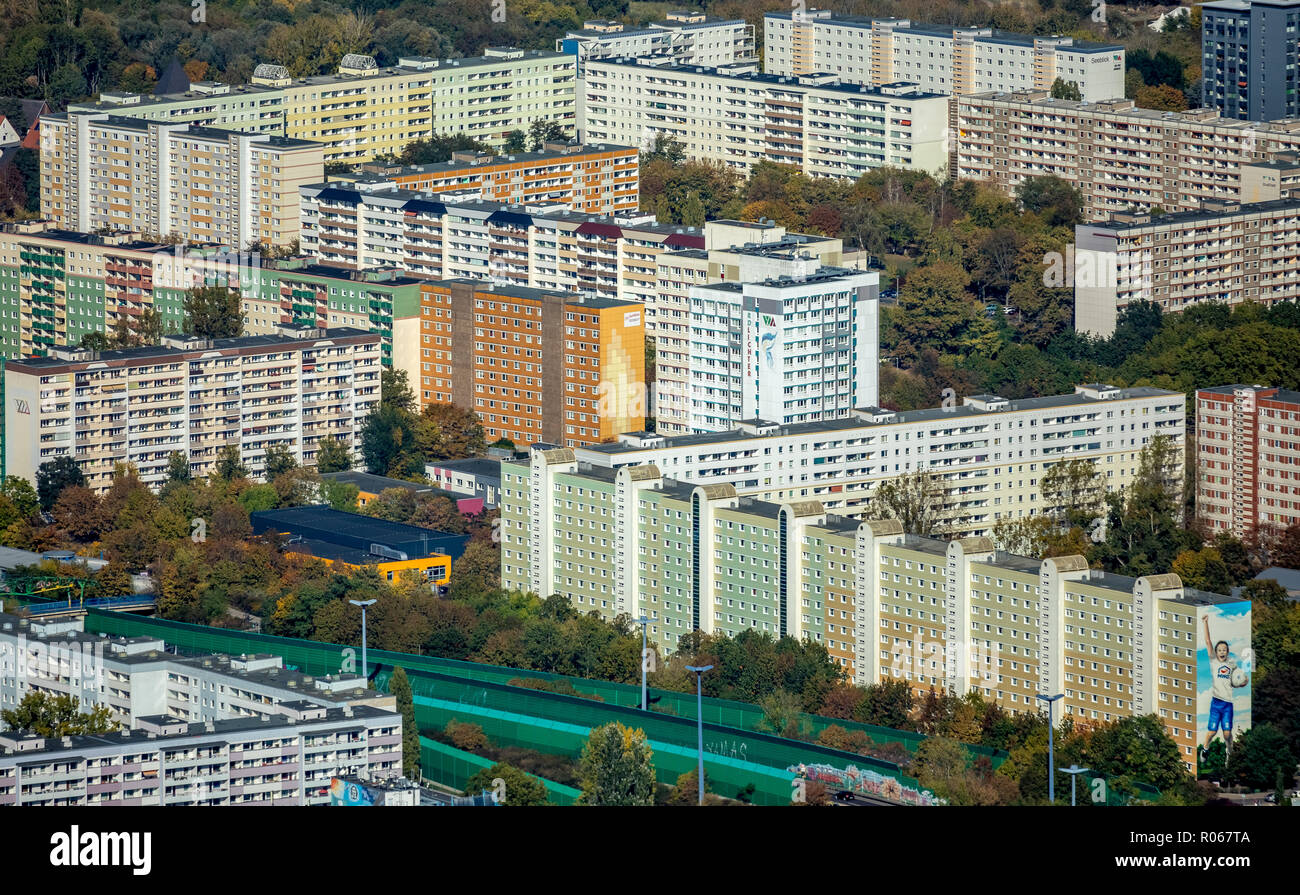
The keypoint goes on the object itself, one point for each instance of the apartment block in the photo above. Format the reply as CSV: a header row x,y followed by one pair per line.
x,y
957,614
534,364
1247,458
988,453
591,179
940,59
686,38
195,396
736,116
1249,60
364,110
1119,156
295,292
1226,253
414,233
201,185
797,347
736,251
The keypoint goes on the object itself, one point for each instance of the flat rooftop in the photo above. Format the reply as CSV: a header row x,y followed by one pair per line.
x,y
353,531
847,424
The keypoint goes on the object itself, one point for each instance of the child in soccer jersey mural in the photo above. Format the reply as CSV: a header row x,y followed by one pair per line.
x,y
1223,674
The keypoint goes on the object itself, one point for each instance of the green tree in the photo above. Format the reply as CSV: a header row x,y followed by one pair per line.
x,y
213,312
230,465
935,311
53,476
516,141
783,715
395,390
178,468
520,788
399,685
448,432
940,765
390,442
23,496
1058,202
1259,755
1063,89
53,716
915,499
332,455
340,495
543,130
438,149
279,460
616,767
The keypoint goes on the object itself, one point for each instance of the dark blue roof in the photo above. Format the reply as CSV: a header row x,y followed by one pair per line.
x,y
353,531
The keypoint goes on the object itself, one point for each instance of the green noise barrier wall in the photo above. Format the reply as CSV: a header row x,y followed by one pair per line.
x,y
454,767
312,657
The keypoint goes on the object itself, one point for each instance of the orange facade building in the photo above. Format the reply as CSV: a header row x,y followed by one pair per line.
x,y
536,365
591,179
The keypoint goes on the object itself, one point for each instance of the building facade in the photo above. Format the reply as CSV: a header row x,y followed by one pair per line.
x,y
1119,157
737,251
363,110
1247,458
534,364
197,184
593,255
686,37
800,347
193,396
1249,60
738,117
1228,254
987,453
940,59
590,179
954,614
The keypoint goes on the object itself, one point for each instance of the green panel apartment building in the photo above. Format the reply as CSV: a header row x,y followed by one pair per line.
x,y
57,286
956,614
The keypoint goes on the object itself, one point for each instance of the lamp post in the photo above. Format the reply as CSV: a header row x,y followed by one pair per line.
x,y
1051,756
1074,771
365,665
699,702
643,621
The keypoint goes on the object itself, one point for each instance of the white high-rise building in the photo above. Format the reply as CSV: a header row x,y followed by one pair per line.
x,y
797,344
938,58
687,37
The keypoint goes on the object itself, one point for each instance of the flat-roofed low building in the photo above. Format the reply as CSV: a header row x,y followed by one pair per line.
x,y
353,541
476,476
371,486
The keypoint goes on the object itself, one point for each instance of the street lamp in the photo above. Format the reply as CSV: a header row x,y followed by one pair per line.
x,y
365,665
1051,756
1074,771
699,702
643,621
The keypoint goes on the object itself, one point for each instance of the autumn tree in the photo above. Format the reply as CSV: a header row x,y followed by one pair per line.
x,y
399,685
213,312
915,499
616,767
332,455
448,432
53,476
517,787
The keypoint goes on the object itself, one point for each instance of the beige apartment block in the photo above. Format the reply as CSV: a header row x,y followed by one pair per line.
x,y
197,184
1119,156
192,396
940,59
363,110
1225,253
736,116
